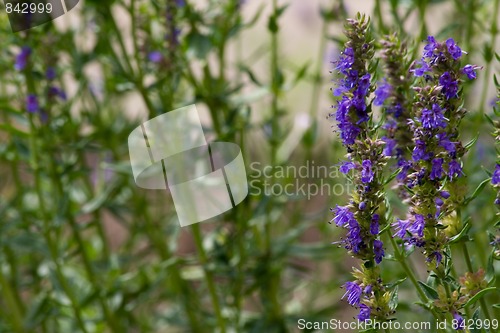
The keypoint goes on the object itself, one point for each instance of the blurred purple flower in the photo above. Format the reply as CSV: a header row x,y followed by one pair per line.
x,y
32,105
50,73
155,57
495,179
22,58
382,92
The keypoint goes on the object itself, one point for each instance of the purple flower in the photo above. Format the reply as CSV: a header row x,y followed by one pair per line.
x,y
454,169
446,143
374,225
397,110
382,92
353,240
367,173
348,131
439,202
453,49
437,169
459,323
368,290
400,228
390,145
378,250
444,194
347,166
450,86
182,3
364,312
435,255
420,71
50,73
22,58
343,216
32,103
430,47
155,57
495,179
362,205
419,152
346,60
363,86
470,71
418,225
432,119
55,91
353,292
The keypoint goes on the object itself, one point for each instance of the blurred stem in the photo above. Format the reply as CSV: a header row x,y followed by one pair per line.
x,y
110,319
422,6
137,80
468,30
53,246
378,13
208,277
270,292
16,316
486,80
318,80
185,292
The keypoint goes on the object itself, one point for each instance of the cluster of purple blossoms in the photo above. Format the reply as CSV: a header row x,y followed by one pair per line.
x,y
361,216
435,159
394,94
351,109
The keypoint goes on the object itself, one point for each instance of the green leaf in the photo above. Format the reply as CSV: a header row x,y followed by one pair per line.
x,y
478,190
199,45
471,142
393,302
461,234
428,290
392,176
477,296
396,283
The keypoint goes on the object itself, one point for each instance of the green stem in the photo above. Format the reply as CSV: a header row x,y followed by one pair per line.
x,y
16,316
208,277
315,95
408,271
493,33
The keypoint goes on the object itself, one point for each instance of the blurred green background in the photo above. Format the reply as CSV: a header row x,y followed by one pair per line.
x,y
83,249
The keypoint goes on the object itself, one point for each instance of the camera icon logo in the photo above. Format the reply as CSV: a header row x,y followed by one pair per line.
x,y
27,14
171,152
